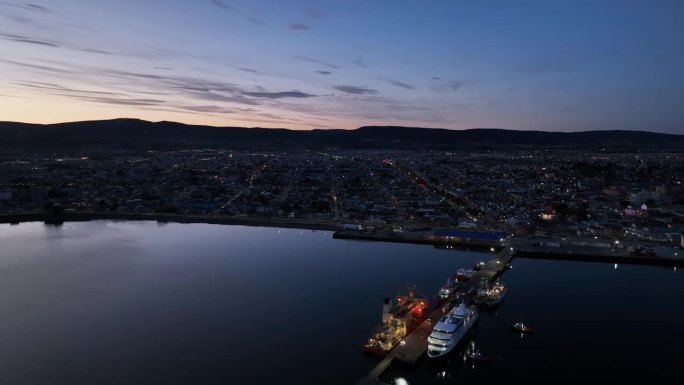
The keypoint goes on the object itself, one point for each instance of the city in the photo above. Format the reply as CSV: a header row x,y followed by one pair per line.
x,y
545,193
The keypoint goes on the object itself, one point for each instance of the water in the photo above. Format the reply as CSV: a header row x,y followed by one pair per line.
x,y
138,302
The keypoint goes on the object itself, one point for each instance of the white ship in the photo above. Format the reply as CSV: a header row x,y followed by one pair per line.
x,y
450,329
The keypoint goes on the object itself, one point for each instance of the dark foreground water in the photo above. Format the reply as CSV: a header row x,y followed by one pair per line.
x,y
143,303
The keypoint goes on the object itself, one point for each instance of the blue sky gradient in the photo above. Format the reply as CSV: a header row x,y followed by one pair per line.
x,y
531,65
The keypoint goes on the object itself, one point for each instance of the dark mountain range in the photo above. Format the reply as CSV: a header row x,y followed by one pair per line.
x,y
140,135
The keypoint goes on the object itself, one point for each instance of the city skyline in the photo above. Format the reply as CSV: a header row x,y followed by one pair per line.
x,y
549,66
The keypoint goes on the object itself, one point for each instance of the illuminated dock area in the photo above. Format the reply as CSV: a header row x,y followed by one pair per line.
x,y
415,344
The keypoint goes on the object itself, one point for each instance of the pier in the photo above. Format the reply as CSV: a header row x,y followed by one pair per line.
x,y
415,344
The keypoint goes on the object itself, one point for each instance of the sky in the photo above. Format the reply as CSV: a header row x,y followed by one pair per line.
x,y
529,65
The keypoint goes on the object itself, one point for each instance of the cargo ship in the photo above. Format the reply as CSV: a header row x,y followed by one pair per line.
x,y
400,316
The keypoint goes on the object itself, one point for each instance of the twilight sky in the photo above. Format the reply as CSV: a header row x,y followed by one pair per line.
x,y
543,65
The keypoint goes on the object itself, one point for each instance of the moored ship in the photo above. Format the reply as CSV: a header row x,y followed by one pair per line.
x,y
399,318
446,291
450,330
490,296
464,275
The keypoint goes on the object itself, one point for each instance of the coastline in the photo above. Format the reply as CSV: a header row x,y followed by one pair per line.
x,y
50,218
524,250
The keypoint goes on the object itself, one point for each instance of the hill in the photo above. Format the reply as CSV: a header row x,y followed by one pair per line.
x,y
140,135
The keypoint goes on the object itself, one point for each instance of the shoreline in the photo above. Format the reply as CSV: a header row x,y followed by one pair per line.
x,y
378,235
50,218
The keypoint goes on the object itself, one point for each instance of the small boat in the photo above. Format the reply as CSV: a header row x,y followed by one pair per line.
x,y
490,296
464,275
479,266
446,291
495,294
477,356
521,328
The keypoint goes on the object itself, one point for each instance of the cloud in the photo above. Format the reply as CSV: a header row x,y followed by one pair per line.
x,y
314,13
311,60
206,109
247,70
62,89
356,90
455,85
222,4
399,84
94,50
254,20
278,95
122,101
324,72
361,63
28,40
299,26
195,95
36,66
451,85
27,6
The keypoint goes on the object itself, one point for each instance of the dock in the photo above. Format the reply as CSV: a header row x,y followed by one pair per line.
x,y
415,344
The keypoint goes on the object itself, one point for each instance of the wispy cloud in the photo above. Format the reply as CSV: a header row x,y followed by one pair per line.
x,y
446,86
27,6
316,61
324,72
361,63
278,95
356,90
122,101
399,84
314,13
255,20
63,89
212,109
222,4
36,66
299,26
28,40
95,50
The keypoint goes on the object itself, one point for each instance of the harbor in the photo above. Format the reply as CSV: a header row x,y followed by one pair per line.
x,y
414,346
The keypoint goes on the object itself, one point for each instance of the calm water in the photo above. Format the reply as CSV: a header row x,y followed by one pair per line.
x,y
141,303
